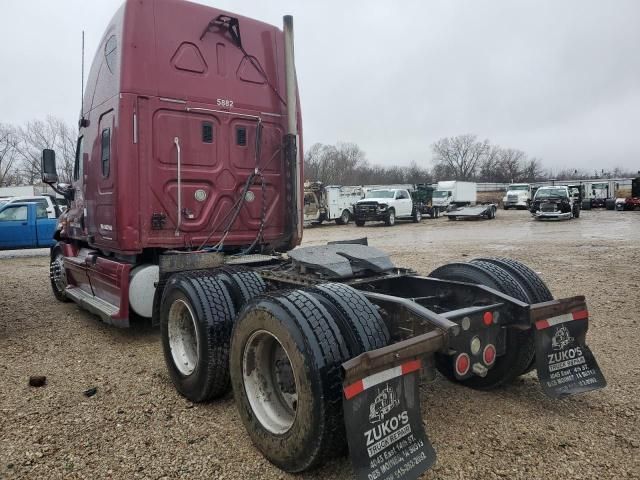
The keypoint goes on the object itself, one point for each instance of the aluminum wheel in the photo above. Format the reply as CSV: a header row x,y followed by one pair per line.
x,y
183,337
58,273
269,382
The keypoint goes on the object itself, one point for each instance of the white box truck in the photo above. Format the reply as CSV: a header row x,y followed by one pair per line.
x,y
453,193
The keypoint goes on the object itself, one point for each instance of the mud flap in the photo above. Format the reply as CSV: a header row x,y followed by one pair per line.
x,y
384,425
564,362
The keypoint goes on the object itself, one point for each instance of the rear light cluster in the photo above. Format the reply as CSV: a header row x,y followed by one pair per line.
x,y
480,356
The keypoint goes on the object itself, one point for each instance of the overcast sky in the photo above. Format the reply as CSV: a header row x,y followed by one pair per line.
x,y
559,80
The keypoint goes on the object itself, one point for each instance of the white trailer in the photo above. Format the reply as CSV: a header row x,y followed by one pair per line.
x,y
453,193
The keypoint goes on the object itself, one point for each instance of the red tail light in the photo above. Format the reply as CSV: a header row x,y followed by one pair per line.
x,y
462,364
487,318
489,354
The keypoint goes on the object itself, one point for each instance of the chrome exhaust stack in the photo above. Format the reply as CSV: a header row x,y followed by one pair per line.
x,y
293,156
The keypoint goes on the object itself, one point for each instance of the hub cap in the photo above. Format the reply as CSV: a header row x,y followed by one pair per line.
x,y
58,273
269,382
183,337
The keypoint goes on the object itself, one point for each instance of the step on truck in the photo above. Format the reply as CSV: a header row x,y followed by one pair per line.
x,y
187,208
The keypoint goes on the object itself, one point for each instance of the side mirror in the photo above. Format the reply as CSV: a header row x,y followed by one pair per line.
x,y
49,172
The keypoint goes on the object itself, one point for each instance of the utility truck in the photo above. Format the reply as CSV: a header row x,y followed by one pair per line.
x,y
518,196
187,208
331,202
452,193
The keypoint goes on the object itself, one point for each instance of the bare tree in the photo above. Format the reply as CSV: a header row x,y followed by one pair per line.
x,y
37,135
511,164
532,171
8,156
461,154
346,164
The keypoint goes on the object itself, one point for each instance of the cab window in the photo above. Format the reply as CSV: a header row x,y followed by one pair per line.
x,y
14,214
41,209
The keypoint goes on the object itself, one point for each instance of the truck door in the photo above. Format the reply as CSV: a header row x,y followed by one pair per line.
x,y
44,227
15,229
404,204
101,187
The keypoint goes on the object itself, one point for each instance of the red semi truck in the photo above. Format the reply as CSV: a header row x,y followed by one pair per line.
x,y
186,206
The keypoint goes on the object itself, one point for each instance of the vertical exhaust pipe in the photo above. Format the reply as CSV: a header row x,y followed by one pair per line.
x,y
293,138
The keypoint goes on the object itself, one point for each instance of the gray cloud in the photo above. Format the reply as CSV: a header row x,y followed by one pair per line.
x,y
560,80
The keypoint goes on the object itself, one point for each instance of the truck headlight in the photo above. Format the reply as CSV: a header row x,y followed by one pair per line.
x,y
382,206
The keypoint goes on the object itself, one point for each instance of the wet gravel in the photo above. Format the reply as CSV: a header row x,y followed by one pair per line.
x,y
137,426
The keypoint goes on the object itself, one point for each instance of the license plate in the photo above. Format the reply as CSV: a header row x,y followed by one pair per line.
x,y
384,425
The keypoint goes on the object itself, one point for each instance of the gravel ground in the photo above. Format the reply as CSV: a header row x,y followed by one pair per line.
x,y
137,426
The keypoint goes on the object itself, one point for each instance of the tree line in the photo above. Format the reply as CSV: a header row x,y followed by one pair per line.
x,y
461,157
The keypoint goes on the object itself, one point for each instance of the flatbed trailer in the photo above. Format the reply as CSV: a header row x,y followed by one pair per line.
x,y
485,211
190,213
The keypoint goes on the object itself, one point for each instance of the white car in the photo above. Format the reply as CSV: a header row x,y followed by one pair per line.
x,y
386,205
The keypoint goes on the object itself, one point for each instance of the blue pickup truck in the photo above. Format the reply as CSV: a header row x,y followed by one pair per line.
x,y
26,225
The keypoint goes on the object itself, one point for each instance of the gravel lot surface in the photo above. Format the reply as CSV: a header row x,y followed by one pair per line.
x,y
137,426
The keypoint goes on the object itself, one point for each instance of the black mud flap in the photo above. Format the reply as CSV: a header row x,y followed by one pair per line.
x,y
565,363
384,425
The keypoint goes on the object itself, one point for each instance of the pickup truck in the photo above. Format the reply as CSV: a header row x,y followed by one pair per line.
x,y
386,205
558,202
25,225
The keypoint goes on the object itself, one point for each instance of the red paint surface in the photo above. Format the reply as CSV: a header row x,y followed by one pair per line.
x,y
160,56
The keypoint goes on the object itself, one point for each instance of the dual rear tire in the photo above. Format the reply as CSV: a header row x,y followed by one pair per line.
x,y
516,280
281,353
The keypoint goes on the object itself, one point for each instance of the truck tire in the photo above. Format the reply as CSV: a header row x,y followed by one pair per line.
x,y
390,221
520,347
242,283
529,280
288,349
576,210
359,321
196,320
586,204
416,216
360,223
344,218
57,273
534,286
610,204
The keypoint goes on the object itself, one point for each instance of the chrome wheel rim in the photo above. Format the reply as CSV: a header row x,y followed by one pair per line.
x,y
269,382
183,337
58,273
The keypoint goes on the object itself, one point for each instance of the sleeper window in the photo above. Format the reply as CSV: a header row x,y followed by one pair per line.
x,y
106,151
